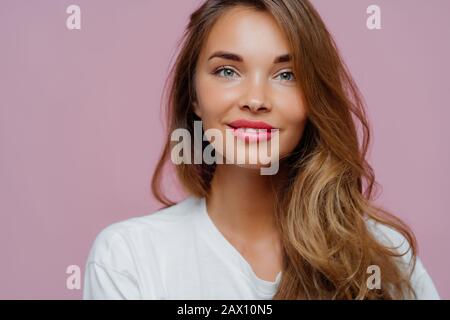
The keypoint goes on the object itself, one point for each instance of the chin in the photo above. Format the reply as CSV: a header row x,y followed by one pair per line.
x,y
256,166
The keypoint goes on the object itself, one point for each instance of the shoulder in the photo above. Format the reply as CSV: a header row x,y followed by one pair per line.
x,y
119,241
393,239
124,261
419,277
388,236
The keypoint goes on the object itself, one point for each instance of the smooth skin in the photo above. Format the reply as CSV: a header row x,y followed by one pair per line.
x,y
241,200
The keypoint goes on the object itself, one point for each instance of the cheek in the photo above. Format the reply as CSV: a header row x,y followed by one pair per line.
x,y
213,98
294,116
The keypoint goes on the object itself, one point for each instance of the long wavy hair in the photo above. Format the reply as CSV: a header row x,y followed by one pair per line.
x,y
322,205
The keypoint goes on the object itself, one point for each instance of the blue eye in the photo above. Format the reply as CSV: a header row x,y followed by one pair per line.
x,y
287,73
228,72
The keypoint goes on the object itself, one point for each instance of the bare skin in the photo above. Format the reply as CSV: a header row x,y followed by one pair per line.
x,y
248,225
241,200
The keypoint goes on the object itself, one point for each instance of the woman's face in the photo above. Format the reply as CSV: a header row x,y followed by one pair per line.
x,y
248,82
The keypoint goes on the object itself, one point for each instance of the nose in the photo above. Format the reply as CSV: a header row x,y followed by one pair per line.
x,y
255,97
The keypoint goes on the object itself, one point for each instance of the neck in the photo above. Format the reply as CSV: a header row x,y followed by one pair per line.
x,y
242,200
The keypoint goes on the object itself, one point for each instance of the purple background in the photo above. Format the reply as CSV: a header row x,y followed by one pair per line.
x,y
81,129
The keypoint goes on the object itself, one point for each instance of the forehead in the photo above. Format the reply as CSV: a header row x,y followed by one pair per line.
x,y
253,34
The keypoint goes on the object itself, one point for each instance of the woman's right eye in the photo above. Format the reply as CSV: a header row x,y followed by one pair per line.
x,y
228,72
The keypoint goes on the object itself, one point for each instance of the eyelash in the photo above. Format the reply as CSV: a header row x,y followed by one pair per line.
x,y
227,68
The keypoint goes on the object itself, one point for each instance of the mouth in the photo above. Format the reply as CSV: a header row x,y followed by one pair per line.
x,y
250,125
252,132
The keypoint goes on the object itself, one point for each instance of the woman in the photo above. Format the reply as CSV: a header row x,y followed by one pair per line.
x,y
309,231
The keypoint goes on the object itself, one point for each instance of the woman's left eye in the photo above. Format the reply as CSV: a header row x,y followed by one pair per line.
x,y
287,73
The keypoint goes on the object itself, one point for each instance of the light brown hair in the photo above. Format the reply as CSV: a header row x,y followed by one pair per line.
x,y
322,205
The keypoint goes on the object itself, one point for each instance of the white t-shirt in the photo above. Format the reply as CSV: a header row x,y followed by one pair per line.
x,y
178,253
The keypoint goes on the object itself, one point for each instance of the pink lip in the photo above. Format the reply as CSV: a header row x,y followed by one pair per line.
x,y
242,123
263,132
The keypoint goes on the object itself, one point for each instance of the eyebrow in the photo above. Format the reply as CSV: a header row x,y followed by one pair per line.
x,y
235,57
